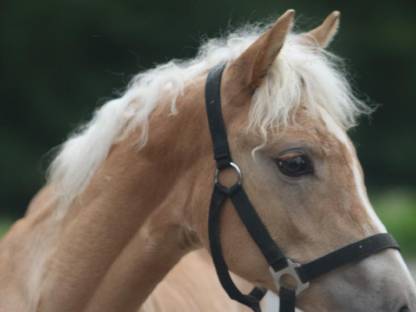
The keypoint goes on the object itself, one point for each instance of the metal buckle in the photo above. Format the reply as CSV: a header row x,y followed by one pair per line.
x,y
290,270
236,169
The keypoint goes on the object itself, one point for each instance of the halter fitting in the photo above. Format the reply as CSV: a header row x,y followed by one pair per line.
x,y
237,171
290,271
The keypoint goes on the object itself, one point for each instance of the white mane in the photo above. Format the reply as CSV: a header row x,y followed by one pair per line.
x,y
298,73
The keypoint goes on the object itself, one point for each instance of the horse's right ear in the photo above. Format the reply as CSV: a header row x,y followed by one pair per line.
x,y
250,68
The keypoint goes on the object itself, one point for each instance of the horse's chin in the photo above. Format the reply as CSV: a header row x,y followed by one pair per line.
x,y
381,283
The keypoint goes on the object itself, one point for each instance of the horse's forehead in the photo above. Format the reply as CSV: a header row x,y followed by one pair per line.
x,y
334,129
320,130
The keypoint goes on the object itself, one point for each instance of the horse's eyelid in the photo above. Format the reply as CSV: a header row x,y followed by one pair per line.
x,y
290,153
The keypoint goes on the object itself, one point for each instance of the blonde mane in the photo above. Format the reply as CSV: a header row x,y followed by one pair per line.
x,y
299,73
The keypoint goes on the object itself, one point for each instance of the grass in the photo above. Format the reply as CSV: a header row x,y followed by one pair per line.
x,y
396,208
4,225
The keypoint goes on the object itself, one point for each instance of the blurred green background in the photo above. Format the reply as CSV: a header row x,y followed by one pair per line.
x,y
61,59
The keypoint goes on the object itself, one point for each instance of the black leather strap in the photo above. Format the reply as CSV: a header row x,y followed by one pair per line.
x,y
258,232
347,255
216,123
220,194
287,300
251,300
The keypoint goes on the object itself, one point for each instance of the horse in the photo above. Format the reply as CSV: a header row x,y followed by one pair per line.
x,y
128,194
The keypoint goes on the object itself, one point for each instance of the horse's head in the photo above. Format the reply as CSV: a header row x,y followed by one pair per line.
x,y
287,108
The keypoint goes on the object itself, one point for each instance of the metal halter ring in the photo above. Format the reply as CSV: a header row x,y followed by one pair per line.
x,y
290,270
235,168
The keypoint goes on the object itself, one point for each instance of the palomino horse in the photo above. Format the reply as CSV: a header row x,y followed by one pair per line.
x,y
128,195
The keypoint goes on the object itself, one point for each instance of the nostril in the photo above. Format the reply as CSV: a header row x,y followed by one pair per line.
x,y
404,309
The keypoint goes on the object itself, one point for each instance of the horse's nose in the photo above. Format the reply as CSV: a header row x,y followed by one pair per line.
x,y
410,306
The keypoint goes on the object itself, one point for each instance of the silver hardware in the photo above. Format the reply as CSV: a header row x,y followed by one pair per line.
x,y
291,271
233,166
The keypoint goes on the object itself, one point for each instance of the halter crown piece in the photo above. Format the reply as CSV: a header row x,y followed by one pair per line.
x,y
280,265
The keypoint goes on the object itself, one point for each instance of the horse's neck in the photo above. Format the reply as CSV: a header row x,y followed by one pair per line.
x,y
129,227
23,254
40,261
192,285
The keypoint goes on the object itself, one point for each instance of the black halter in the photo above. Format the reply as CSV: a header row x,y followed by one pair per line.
x,y
280,265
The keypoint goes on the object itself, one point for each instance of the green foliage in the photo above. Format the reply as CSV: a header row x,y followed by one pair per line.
x,y
61,59
397,209
5,224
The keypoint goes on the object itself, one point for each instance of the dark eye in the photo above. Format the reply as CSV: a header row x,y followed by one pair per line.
x,y
295,166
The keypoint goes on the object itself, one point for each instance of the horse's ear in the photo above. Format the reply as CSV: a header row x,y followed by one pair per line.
x,y
252,66
324,33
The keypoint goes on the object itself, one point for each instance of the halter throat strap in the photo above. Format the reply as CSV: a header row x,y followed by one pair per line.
x,y
279,264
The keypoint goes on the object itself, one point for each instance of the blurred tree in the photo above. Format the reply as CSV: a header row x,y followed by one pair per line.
x,y
59,60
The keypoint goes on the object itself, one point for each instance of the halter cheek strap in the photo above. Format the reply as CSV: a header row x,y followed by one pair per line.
x,y
280,265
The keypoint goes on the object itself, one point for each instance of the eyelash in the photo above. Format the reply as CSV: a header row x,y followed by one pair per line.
x,y
295,166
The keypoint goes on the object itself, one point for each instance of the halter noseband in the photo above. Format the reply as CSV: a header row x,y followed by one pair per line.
x,y
280,265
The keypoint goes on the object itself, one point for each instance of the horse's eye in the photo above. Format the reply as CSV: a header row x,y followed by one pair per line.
x,y
295,166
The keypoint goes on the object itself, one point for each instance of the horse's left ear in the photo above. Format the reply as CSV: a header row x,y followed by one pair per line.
x,y
324,33
250,68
